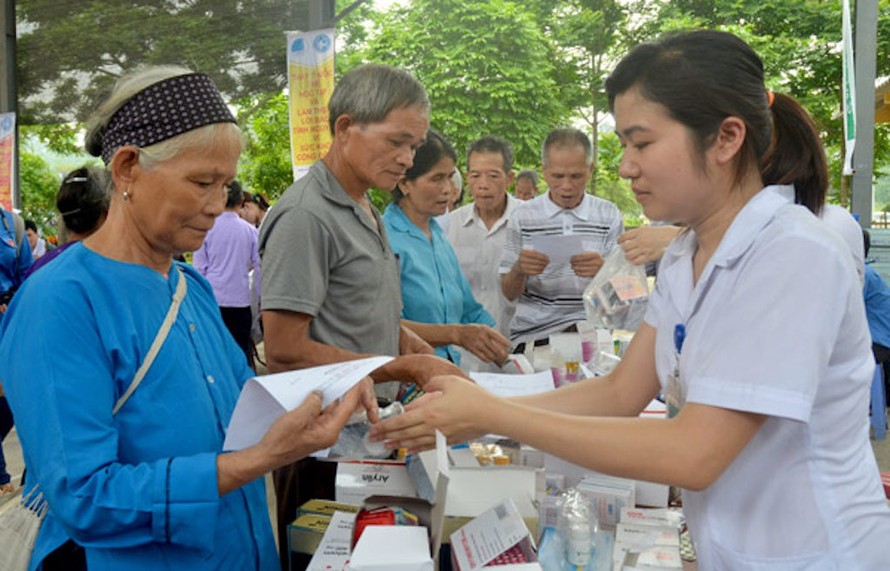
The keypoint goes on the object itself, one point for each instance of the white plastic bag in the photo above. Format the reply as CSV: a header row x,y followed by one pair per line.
x,y
617,296
354,441
18,531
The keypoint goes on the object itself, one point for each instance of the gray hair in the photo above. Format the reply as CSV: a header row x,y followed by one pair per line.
x,y
530,174
128,86
368,93
567,137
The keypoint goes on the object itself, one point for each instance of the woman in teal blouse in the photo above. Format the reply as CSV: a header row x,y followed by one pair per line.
x,y
436,296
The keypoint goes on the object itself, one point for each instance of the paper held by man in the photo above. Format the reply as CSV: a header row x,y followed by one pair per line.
x,y
263,399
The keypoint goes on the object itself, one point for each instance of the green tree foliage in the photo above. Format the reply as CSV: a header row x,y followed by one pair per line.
x,y
58,138
47,154
486,66
584,34
266,163
39,184
799,42
882,194
70,53
611,186
512,68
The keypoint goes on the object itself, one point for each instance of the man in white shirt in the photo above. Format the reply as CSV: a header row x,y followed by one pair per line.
x,y
478,230
526,185
38,244
549,294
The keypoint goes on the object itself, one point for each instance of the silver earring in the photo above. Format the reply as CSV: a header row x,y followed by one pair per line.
x,y
126,195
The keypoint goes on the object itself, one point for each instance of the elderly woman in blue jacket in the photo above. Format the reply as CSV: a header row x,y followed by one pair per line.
x,y
134,474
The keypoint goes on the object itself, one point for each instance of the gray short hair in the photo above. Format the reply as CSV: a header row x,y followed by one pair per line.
x,y
202,137
530,174
566,137
368,93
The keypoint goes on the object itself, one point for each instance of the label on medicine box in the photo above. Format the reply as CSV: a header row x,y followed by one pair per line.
x,y
325,507
305,533
359,480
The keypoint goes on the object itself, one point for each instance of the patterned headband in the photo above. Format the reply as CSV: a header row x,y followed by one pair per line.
x,y
163,110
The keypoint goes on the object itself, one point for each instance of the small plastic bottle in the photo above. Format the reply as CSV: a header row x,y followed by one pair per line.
x,y
579,543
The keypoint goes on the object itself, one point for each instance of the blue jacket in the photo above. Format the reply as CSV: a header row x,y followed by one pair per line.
x,y
138,490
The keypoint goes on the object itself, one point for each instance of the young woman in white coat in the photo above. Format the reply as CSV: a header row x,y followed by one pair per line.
x,y
756,334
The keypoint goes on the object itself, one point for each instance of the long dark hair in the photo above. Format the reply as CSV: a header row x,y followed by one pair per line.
x,y
702,77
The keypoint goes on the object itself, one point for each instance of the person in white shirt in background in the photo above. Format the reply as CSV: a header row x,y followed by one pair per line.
x,y
478,230
38,244
526,186
841,221
457,187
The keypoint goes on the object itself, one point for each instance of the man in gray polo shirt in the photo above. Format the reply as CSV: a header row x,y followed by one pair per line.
x,y
330,279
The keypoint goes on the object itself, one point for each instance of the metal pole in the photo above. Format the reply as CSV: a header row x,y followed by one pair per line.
x,y
7,58
865,48
321,13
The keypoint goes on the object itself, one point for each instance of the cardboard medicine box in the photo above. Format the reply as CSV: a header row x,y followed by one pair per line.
x,y
305,533
428,506
499,534
313,517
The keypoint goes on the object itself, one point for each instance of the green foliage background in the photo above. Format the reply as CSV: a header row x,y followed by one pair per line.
x,y
512,68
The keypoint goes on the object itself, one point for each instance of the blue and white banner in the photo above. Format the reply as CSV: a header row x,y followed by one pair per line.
x,y
310,66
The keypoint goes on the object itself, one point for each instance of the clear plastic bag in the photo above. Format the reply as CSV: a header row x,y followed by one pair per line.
x,y
572,544
617,296
354,443
578,527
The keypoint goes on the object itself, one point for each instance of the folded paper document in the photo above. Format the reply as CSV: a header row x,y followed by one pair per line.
x,y
263,399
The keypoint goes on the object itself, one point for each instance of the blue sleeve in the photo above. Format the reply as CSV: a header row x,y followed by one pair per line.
x,y
15,253
26,258
62,395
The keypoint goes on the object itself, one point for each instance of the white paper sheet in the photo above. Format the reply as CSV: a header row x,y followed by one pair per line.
x,y
514,385
655,408
560,249
263,399
333,551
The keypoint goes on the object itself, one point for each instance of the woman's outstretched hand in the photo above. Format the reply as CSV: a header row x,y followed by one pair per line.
x,y
454,406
